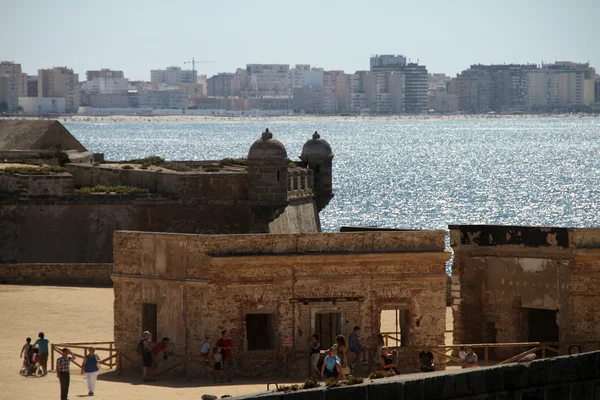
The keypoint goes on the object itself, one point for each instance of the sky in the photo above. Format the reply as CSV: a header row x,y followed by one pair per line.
x,y
445,35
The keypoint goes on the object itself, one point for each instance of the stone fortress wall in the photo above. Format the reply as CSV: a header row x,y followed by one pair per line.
x,y
42,216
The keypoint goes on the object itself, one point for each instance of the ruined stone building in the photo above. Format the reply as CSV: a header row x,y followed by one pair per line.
x,y
46,218
272,292
526,284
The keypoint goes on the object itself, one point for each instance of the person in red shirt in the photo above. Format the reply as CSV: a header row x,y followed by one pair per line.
x,y
161,346
225,344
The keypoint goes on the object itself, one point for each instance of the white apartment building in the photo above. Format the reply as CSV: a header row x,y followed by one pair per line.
x,y
303,76
269,79
387,60
336,87
43,105
60,82
173,76
163,98
11,85
562,86
105,85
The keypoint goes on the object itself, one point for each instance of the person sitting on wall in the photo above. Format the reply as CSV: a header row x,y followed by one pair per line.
x,y
356,347
331,365
386,360
342,352
205,351
161,346
470,358
462,354
426,359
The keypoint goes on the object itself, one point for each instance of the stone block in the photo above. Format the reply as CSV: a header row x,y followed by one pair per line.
x,y
317,394
434,387
387,390
586,366
515,376
562,369
582,391
413,389
596,390
559,392
509,396
493,379
538,373
358,392
536,393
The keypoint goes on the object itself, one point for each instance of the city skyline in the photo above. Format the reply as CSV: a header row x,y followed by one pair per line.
x,y
335,36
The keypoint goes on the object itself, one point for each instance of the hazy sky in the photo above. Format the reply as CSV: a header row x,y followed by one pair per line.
x,y
445,35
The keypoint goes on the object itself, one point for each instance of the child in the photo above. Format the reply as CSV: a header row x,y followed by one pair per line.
x,y
462,354
205,352
218,367
395,357
331,365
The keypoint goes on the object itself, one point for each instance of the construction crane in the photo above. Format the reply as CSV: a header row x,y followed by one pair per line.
x,y
194,62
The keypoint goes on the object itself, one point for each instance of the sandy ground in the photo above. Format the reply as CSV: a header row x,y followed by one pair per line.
x,y
67,314
305,118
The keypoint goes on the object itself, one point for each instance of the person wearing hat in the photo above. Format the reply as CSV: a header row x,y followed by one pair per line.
x,y
62,372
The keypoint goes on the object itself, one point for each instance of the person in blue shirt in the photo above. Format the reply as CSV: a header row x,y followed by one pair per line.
x,y
42,345
356,346
90,366
331,365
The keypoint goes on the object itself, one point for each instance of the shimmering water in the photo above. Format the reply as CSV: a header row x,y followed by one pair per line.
x,y
409,173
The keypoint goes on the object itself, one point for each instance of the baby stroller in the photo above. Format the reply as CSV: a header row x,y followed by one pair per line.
x,y
31,364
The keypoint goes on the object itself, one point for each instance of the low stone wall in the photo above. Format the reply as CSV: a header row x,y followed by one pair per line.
x,y
36,185
57,274
561,378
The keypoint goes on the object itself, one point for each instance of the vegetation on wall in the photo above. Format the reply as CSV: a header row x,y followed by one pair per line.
x,y
234,161
55,152
121,189
24,170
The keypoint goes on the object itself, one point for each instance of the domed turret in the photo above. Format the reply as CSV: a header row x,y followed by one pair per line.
x,y
317,156
268,171
267,147
316,147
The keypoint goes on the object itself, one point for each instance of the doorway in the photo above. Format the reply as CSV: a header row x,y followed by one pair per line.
x,y
542,325
328,325
149,319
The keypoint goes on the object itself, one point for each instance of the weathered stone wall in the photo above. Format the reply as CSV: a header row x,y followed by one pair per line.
x,y
45,230
57,274
204,284
502,273
222,186
36,185
575,377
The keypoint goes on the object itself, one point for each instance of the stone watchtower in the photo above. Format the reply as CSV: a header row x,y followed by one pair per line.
x,y
268,164
317,156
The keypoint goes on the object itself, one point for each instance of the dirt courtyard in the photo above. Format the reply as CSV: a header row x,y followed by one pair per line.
x,y
68,314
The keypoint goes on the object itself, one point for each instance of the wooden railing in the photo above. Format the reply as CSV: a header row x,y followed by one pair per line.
x,y
547,349
101,348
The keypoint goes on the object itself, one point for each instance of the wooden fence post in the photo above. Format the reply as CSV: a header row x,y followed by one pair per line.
x,y
52,357
110,353
543,351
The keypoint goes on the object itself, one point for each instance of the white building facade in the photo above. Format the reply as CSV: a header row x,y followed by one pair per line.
x,y
43,105
173,76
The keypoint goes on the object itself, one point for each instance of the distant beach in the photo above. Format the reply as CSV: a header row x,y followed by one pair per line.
x,y
304,118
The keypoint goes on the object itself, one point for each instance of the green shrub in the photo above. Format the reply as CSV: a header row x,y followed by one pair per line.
x,y
381,374
310,383
34,171
211,168
111,189
284,389
234,161
295,388
352,380
127,167
57,153
96,164
144,166
148,161
332,383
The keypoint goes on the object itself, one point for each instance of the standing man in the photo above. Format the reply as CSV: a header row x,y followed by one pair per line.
x,y
42,345
145,348
62,372
225,344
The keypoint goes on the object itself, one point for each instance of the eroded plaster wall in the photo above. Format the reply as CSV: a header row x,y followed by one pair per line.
x,y
205,284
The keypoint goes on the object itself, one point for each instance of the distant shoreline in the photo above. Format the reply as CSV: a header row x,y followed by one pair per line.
x,y
303,118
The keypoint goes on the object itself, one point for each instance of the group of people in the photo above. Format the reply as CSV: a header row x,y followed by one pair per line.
x,y
221,354
36,355
334,363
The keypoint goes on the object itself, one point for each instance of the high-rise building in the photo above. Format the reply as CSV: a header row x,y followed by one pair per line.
x,y
503,88
104,73
219,85
387,61
173,76
415,80
562,86
361,92
32,86
336,85
388,92
268,79
11,86
303,76
60,82
597,90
